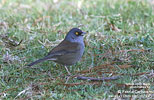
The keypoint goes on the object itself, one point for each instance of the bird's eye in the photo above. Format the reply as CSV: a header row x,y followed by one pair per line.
x,y
76,33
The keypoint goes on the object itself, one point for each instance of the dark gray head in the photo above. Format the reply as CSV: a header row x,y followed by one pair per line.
x,y
75,35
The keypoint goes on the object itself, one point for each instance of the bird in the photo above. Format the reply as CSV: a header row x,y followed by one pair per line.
x,y
68,52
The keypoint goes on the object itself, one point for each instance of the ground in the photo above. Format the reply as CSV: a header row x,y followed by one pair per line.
x,y
119,42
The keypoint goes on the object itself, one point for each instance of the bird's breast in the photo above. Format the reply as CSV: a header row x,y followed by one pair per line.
x,y
71,58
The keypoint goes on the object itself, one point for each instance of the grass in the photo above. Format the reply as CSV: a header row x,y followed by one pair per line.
x,y
119,31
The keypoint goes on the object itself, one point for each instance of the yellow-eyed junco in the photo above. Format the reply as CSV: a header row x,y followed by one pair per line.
x,y
69,51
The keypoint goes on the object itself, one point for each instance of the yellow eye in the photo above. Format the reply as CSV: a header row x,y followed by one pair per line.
x,y
76,33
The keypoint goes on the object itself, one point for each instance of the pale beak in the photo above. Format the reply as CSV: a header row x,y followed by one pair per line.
x,y
83,33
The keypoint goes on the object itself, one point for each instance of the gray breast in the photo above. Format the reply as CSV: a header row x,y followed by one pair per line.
x,y
71,58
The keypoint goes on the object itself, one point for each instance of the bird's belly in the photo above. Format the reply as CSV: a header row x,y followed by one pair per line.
x,y
70,59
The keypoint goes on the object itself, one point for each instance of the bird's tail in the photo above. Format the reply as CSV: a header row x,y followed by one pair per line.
x,y
38,61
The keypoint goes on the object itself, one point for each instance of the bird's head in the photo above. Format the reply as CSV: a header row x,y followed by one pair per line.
x,y
75,35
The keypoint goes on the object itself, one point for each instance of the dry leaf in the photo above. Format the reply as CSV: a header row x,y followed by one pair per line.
x,y
139,50
125,66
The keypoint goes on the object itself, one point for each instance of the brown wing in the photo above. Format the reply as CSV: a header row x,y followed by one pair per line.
x,y
64,47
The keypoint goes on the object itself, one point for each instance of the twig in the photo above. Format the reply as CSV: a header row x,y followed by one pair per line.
x,y
98,79
97,68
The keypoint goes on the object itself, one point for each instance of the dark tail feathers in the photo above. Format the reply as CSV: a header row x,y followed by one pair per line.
x,y
38,61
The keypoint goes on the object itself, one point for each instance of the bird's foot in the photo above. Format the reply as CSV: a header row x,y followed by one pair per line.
x,y
69,74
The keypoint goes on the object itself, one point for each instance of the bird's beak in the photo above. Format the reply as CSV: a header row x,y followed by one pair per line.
x,y
83,33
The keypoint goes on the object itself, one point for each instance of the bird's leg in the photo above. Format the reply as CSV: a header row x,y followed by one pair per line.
x,y
67,70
